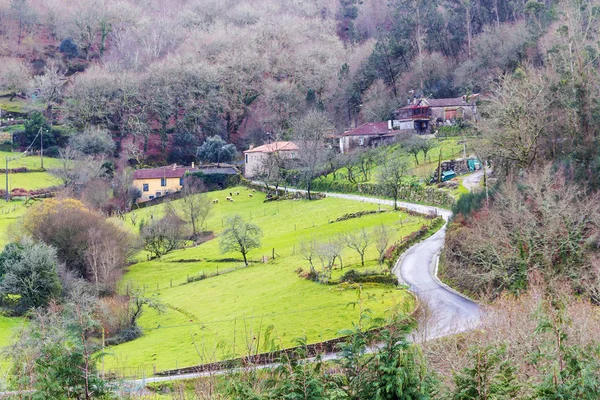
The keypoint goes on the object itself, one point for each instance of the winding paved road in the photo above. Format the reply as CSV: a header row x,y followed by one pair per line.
x,y
446,311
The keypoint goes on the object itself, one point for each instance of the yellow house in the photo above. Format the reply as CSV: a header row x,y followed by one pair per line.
x,y
156,182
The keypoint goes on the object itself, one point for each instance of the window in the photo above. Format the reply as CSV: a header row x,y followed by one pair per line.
x,y
150,197
163,182
180,181
146,188
158,194
361,141
246,158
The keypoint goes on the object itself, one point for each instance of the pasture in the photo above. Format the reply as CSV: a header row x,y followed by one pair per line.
x,y
262,306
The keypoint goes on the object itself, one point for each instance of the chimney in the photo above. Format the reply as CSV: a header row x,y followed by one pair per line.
x,y
389,125
408,101
192,164
251,147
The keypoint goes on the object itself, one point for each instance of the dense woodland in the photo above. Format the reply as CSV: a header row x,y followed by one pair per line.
x,y
179,71
146,82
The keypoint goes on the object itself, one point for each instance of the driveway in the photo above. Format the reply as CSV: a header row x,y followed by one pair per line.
x,y
472,181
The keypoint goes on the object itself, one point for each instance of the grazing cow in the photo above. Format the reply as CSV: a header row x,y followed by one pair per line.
x,y
215,201
228,198
230,194
237,193
250,194
253,190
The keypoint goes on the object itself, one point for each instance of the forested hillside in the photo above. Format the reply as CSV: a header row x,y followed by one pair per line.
x,y
179,71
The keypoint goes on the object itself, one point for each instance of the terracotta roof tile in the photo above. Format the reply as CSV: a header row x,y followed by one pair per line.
x,y
370,129
273,147
169,171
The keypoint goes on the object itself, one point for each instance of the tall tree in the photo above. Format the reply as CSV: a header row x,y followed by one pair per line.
x,y
309,135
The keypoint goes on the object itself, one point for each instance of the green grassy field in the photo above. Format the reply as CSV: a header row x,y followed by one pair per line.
x,y
10,213
450,149
17,105
227,315
7,328
31,162
31,180
28,180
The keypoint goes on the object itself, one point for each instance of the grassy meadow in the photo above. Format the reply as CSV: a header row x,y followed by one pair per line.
x,y
229,314
28,180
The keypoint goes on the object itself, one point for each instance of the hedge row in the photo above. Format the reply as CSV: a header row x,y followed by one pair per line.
x,y
414,193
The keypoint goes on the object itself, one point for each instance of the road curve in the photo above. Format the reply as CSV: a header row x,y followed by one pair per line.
x,y
447,311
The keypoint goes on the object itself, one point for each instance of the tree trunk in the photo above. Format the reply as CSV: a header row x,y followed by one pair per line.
x,y
245,260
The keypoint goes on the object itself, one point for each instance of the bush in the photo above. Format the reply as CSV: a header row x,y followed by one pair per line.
x,y
52,151
28,275
69,48
469,202
93,141
88,244
125,335
353,276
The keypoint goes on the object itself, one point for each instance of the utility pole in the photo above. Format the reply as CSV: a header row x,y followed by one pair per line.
x,y
42,146
6,171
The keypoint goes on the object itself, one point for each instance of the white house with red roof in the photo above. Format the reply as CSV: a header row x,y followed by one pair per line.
x,y
254,157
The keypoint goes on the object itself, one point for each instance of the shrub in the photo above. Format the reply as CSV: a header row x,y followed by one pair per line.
x,y
88,244
69,48
28,275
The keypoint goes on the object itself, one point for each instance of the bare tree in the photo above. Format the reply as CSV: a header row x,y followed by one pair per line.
x,y
392,170
24,15
162,236
382,240
519,115
359,241
194,206
50,87
414,146
240,236
309,134
272,170
105,257
326,253
75,169
426,146
308,252
14,76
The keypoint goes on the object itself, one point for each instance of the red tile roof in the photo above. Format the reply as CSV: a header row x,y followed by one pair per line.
x,y
370,129
273,147
169,171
